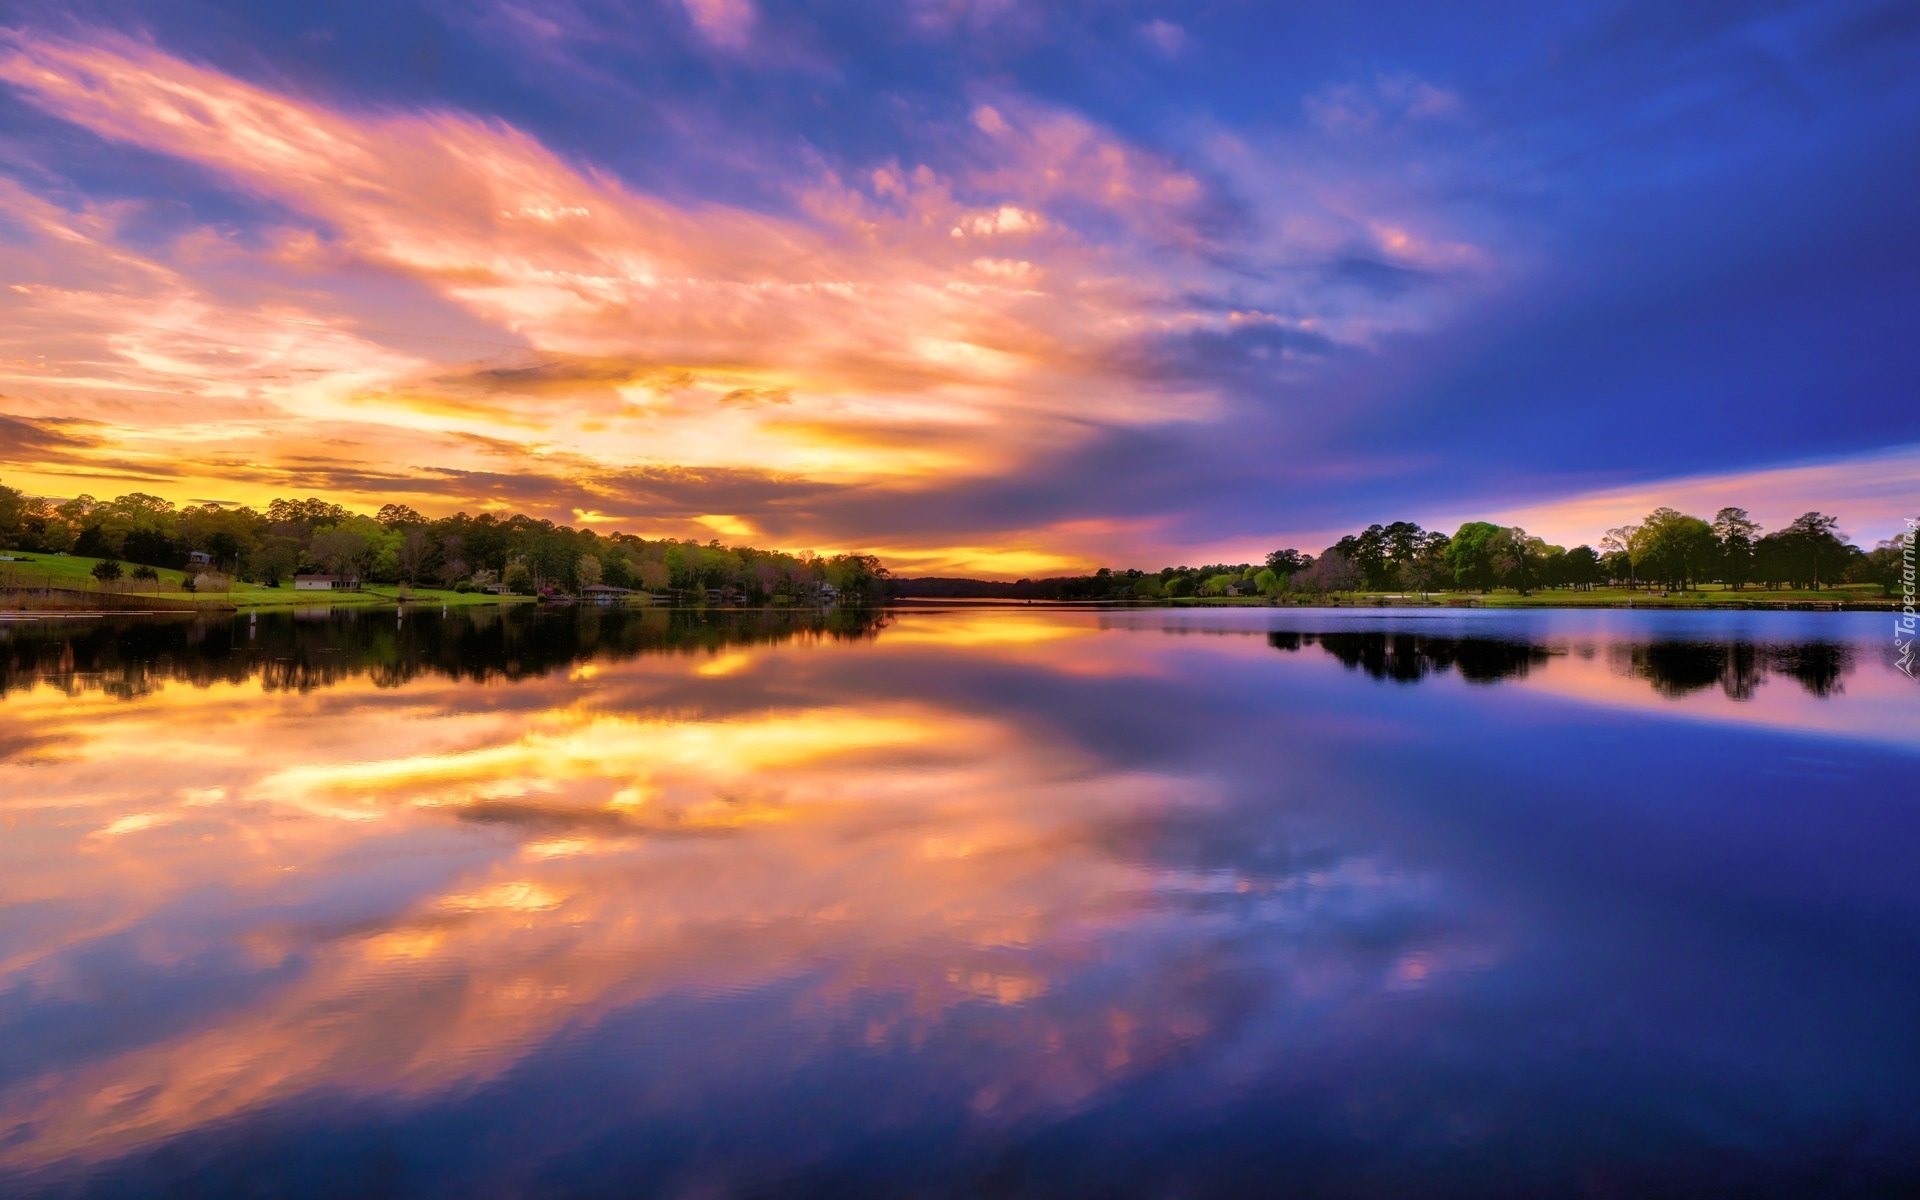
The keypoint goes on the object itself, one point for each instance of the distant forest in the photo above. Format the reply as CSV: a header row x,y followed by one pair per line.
x,y
1669,549
398,545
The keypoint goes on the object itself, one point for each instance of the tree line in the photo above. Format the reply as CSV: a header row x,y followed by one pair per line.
x,y
397,545
1668,549
522,554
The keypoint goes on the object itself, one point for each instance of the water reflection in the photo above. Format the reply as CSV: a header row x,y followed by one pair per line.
x,y
132,656
1022,903
1674,668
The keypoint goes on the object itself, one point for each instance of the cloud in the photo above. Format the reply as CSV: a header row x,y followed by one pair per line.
x,y
1165,36
921,277
917,328
1384,102
725,23
41,440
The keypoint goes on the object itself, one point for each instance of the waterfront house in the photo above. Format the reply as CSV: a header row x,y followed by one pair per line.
x,y
326,583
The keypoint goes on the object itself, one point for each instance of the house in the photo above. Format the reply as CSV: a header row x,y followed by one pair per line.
x,y
199,560
326,583
604,593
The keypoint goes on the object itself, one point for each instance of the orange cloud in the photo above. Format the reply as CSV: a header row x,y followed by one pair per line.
x,y
900,327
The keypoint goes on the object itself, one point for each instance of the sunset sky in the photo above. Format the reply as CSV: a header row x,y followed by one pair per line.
x,y
993,286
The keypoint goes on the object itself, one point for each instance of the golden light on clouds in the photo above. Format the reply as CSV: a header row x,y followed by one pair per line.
x,y
889,333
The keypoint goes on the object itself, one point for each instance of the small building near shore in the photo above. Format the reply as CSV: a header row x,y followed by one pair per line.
x,y
326,583
604,593
199,560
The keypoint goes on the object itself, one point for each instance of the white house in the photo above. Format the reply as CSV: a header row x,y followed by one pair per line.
x,y
326,583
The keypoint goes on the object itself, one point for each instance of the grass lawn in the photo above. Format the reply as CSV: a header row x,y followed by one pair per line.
x,y
69,571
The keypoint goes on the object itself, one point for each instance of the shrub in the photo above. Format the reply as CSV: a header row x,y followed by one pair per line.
x,y
145,572
106,570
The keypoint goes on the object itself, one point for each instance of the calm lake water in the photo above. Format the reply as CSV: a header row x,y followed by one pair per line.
x,y
992,902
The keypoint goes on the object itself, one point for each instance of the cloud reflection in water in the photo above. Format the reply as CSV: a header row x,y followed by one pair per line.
x,y
969,888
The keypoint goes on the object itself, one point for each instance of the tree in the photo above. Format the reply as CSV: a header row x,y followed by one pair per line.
x,y
1286,562
391,515
1820,548
1516,557
1622,549
1735,532
1675,548
587,570
1806,553
106,570
1367,553
1889,564
1331,572
340,549
224,547
150,545
1470,552
273,560
1583,567
415,552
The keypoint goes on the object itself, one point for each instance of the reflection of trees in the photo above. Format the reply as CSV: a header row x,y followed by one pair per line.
x,y
132,656
1674,668
1410,657
1679,668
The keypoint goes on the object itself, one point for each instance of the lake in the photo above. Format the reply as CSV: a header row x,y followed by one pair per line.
x,y
1009,902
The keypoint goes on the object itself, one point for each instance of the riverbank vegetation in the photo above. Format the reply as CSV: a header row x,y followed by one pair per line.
x,y
242,552
1669,555
145,545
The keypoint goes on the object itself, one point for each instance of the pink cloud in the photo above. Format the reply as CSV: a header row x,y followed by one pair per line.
x,y
1871,493
1167,37
725,23
917,326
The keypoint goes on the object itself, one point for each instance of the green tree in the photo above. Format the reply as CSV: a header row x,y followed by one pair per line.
x,y
106,570
1583,567
273,560
1517,558
1889,564
1736,533
1470,553
1286,562
1622,547
1675,548
587,570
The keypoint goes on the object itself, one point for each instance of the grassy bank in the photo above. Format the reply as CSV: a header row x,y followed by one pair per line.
x,y
76,573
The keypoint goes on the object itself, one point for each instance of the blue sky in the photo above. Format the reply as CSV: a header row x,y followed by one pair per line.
x,y
987,286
